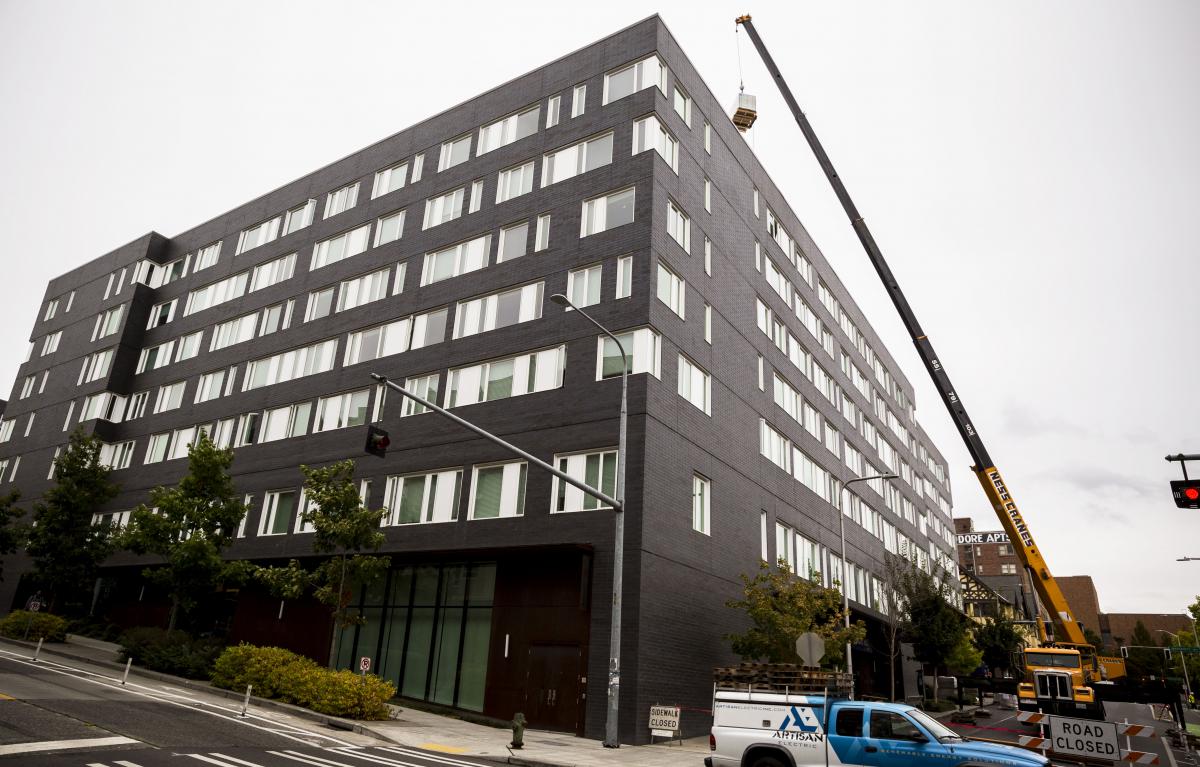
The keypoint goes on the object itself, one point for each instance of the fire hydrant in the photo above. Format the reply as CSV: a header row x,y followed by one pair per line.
x,y
518,728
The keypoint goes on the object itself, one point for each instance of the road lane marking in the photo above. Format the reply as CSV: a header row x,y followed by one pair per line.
x,y
431,757
54,745
124,763
309,759
191,705
217,762
234,759
376,759
6,697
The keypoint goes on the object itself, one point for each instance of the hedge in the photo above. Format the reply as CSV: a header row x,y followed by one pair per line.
x,y
278,673
22,624
172,652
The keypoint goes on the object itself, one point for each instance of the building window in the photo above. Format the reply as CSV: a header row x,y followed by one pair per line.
x,y
596,469
642,354
51,310
603,213
342,410
6,429
211,386
701,492
573,160
425,387
443,208
389,180
300,216
320,304
398,280
754,198
498,491
708,323
476,195
278,506
423,498
137,405
541,239
1008,569
188,346
343,246
363,290
1005,550
707,256
707,137
679,226
514,182
456,260
50,343
624,276
259,234
513,241
649,133
578,100
583,286
160,314
498,310
115,457
389,228
156,357
31,381
216,293
341,200
207,256
455,152
694,384
290,365
414,332
284,422
671,289
648,72
503,378
418,165
774,446
234,331
707,195
552,109
272,272
507,130
109,322
170,396
683,105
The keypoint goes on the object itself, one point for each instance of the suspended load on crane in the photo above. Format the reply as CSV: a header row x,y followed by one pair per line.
x,y
745,111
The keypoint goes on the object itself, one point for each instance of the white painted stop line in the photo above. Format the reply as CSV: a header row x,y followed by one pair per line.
x,y
55,745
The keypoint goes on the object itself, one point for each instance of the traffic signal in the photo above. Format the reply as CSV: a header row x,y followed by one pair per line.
x,y
1186,492
377,441
1167,650
1124,651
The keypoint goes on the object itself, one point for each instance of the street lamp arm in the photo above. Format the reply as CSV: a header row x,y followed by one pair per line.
x,y
562,300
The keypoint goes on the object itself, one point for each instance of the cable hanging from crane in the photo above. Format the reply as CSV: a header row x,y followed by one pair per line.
x,y
745,109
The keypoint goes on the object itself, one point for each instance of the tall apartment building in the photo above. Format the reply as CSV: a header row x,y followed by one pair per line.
x,y
612,175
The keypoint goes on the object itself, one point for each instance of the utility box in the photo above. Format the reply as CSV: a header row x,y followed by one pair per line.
x,y
745,111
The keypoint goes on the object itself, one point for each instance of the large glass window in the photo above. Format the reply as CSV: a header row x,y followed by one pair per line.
x,y
343,246
455,152
498,490
507,130
578,158
508,377
583,285
498,310
275,271
389,179
423,498
278,506
649,133
341,200
216,293
603,213
648,72
597,469
297,363
259,234
514,182
443,208
455,260
342,410
642,350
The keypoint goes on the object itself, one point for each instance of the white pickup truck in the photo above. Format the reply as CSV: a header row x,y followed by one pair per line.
x,y
770,729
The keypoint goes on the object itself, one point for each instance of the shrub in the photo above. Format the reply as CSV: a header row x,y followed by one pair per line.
x,y
172,652
22,624
292,678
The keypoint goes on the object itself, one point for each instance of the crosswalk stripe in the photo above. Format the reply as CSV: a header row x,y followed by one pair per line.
x,y
309,759
56,745
438,758
217,762
124,763
234,759
376,759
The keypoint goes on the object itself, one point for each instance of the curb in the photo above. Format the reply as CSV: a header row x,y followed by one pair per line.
x,y
336,723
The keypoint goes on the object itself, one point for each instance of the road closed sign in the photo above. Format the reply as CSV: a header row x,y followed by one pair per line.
x,y
1084,737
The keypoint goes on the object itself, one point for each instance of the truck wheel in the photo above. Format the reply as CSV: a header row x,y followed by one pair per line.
x,y
767,761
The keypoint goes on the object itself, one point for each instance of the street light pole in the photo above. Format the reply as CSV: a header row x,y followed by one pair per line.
x,y
845,594
611,738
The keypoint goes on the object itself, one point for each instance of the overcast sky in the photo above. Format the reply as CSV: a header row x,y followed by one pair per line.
x,y
1031,171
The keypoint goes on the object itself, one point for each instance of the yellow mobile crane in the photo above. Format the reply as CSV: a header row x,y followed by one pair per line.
x,y
1059,676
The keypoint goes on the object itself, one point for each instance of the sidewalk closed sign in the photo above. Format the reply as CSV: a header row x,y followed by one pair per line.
x,y
1084,737
664,721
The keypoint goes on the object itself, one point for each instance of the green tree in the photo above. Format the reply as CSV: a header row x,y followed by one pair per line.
x,y
1143,660
895,607
66,547
1094,639
344,528
998,641
188,526
965,657
931,624
781,607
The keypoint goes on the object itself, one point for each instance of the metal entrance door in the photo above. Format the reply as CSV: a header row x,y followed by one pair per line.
x,y
552,687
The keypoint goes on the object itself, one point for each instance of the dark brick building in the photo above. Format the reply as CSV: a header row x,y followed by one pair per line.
x,y
613,175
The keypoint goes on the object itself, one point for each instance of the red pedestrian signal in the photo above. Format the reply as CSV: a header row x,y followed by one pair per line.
x,y
377,441
1186,492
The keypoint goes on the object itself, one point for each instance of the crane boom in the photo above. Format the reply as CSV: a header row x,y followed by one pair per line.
x,y
1067,628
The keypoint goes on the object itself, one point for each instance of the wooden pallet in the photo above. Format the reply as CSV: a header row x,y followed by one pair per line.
x,y
781,677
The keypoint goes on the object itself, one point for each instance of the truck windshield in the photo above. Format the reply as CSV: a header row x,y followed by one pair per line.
x,y
935,728
1053,660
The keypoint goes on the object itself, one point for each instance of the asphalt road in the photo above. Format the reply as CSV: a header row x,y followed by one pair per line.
x,y
56,715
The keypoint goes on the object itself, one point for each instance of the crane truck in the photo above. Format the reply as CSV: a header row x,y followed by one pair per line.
x,y
1061,674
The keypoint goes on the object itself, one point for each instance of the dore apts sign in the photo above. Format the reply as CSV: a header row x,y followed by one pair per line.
x,y
970,539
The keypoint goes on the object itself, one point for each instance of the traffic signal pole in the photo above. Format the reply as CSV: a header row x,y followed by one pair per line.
x,y
586,488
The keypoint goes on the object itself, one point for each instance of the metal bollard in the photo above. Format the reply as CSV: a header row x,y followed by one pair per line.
x,y
38,651
125,676
246,702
